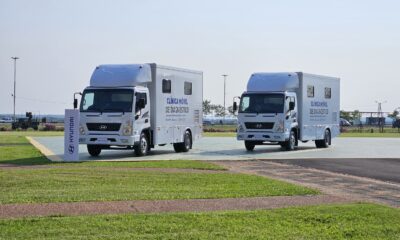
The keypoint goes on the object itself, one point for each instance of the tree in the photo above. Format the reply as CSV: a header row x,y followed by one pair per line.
x,y
394,114
218,110
206,107
345,115
230,110
355,115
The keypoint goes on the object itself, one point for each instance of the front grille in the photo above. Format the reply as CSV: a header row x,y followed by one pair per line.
x,y
259,125
103,127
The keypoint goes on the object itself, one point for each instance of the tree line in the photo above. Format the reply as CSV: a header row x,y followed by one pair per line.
x,y
216,109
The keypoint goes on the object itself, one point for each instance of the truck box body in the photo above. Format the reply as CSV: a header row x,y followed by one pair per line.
x,y
321,111
172,105
265,114
174,112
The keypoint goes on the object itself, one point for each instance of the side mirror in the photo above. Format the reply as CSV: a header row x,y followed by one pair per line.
x,y
234,106
141,103
76,100
291,106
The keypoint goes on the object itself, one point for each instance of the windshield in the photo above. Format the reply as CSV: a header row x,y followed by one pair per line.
x,y
107,100
262,103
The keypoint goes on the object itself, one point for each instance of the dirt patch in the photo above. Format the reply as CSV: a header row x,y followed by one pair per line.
x,y
163,170
160,206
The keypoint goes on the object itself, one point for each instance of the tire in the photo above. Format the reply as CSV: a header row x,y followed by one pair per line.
x,y
187,142
177,147
94,150
291,143
186,145
324,143
143,148
249,145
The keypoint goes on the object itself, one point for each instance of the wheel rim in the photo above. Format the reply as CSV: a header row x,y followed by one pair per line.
x,y
143,145
292,141
326,138
187,141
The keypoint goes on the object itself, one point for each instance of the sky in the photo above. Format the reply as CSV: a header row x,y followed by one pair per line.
x,y
60,42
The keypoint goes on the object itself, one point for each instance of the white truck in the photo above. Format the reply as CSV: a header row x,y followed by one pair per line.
x,y
288,107
139,106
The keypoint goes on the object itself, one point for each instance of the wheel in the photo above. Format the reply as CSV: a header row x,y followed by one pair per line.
x,y
186,145
291,142
187,142
249,145
143,148
94,150
324,143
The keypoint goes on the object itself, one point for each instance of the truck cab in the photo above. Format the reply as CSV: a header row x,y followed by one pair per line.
x,y
139,106
288,107
267,117
113,116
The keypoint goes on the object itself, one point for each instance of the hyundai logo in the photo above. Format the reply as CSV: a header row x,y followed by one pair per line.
x,y
258,125
71,149
103,127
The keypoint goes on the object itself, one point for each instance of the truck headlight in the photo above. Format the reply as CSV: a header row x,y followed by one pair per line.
x,y
280,126
127,129
82,130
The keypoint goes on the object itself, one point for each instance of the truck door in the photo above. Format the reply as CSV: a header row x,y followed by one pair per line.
x,y
291,111
142,113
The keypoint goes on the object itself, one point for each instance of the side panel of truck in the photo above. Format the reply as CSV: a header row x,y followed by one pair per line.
x,y
319,106
175,111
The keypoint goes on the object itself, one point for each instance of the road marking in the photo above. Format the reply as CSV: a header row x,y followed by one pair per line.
x,y
45,151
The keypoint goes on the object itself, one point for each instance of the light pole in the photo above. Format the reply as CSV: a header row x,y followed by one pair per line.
x,y
380,115
15,80
224,75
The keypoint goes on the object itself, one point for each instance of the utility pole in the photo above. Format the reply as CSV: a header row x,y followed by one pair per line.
x,y
380,115
224,75
15,80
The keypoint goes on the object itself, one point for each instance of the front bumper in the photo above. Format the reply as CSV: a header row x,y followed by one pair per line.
x,y
110,140
262,136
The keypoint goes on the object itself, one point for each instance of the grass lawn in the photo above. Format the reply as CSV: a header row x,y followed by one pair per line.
x,y
219,134
105,181
353,221
16,149
69,184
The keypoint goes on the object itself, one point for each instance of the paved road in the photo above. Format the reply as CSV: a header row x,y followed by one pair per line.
x,y
355,187
384,169
227,148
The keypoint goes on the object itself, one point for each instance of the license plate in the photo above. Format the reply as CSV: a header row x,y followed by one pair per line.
x,y
103,140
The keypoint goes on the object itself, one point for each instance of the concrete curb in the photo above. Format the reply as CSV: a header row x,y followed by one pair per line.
x,y
44,150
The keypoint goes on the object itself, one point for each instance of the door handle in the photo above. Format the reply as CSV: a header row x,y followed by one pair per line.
x,y
146,121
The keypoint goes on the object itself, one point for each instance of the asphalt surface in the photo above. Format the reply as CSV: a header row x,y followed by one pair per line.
x,y
228,148
384,169
376,158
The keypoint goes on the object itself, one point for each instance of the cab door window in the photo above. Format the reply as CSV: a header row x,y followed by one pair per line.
x,y
138,97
